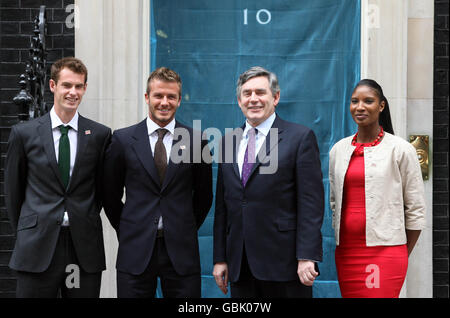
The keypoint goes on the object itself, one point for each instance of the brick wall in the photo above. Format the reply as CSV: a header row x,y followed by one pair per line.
x,y
16,29
440,151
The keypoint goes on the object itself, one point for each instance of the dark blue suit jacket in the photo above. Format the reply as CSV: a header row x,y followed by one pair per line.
x,y
183,200
276,216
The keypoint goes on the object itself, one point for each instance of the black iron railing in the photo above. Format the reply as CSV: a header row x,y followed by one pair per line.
x,y
30,98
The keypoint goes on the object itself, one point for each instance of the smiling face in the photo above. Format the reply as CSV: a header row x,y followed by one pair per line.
x,y
365,107
163,101
68,92
256,100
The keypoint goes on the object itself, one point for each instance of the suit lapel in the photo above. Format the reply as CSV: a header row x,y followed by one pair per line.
x,y
82,141
267,146
236,142
172,167
46,135
144,151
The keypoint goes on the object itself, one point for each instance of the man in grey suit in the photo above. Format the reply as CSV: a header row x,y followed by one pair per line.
x,y
53,196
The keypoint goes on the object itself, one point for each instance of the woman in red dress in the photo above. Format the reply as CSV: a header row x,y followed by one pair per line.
x,y
377,198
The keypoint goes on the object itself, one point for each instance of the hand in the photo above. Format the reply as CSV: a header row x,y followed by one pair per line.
x,y
220,273
306,272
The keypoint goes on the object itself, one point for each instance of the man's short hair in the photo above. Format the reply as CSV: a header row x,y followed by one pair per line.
x,y
72,63
257,71
164,74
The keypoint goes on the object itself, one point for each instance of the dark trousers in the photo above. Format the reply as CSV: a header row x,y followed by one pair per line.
x,y
55,281
249,287
144,285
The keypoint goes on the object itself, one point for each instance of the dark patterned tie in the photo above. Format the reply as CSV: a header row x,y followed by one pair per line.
x,y
160,154
64,155
249,157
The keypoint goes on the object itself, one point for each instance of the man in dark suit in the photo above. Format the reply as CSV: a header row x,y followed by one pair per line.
x,y
269,207
52,182
168,191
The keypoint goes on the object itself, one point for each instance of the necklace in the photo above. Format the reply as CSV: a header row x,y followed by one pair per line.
x,y
359,151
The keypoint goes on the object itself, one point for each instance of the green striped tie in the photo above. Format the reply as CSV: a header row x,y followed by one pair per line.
x,y
64,155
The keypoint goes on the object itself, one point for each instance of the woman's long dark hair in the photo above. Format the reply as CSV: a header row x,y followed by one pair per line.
x,y
385,116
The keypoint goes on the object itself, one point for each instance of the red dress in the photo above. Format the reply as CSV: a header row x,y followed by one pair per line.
x,y
365,271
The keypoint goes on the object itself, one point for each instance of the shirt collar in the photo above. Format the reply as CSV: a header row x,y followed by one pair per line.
x,y
152,126
56,121
263,128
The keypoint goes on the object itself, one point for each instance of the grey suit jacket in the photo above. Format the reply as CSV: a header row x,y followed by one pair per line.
x,y
36,198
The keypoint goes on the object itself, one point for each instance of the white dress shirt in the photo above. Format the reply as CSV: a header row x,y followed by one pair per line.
x,y
167,141
73,139
263,131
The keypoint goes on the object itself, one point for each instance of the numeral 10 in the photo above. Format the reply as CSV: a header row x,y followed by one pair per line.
x,y
263,16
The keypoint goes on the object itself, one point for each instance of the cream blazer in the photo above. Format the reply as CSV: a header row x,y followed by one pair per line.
x,y
393,188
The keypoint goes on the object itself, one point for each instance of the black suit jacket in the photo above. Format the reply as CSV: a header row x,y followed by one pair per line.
x,y
36,198
183,200
277,216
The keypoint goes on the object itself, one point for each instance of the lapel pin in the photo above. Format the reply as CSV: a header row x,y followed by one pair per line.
x,y
182,147
87,132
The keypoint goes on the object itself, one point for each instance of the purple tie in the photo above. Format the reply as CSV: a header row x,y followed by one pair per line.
x,y
249,157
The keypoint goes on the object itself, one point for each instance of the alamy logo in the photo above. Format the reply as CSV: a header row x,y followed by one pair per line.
x,y
73,277
219,149
373,279
73,19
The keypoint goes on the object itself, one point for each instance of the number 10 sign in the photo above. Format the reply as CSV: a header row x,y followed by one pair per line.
x,y
263,16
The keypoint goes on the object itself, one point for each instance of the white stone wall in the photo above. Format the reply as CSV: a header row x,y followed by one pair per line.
x,y
397,51
420,122
113,39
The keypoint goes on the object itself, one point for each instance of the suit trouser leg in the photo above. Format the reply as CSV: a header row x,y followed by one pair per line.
x,y
144,285
249,287
52,282
45,284
138,286
246,286
89,283
174,285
